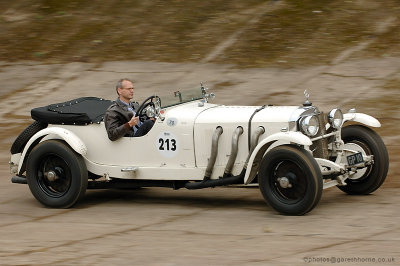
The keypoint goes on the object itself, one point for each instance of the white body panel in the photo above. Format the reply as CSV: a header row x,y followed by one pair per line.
x,y
362,118
189,126
175,162
179,147
282,138
57,133
229,118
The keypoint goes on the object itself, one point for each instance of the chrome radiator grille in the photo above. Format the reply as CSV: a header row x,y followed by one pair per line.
x,y
320,147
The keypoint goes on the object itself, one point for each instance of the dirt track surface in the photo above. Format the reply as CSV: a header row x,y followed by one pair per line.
x,y
209,227
213,226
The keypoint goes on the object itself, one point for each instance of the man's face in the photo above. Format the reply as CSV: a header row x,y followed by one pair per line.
x,y
126,92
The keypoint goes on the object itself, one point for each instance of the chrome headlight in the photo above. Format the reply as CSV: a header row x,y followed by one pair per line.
x,y
309,125
335,118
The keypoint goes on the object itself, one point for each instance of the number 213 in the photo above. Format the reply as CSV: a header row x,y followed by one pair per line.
x,y
167,144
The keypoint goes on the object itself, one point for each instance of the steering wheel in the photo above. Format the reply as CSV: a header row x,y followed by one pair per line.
x,y
151,105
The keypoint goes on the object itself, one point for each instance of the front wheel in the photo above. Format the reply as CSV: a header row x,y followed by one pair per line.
x,y
370,178
290,180
56,175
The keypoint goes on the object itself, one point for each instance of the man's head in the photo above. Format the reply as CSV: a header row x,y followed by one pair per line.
x,y
124,89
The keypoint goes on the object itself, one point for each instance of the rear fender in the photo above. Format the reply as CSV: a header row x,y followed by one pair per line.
x,y
262,147
362,118
53,133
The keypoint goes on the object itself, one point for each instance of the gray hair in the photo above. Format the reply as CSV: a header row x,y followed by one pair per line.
x,y
119,83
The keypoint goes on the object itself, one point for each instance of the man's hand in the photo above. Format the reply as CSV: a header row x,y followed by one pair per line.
x,y
134,121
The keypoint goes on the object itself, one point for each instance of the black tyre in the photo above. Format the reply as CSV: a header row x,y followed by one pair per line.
x,y
373,176
56,175
26,134
290,180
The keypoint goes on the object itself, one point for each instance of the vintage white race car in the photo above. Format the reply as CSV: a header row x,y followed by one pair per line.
x,y
291,152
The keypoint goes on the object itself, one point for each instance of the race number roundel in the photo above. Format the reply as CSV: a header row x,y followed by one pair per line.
x,y
167,144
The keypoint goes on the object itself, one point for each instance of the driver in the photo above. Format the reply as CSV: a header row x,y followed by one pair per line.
x,y
120,118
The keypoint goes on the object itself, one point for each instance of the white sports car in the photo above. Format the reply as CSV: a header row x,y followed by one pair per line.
x,y
291,152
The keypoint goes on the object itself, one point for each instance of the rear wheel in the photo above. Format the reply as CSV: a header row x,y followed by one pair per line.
x,y
370,178
290,180
56,175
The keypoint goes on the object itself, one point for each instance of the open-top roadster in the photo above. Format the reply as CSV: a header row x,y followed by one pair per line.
x,y
291,152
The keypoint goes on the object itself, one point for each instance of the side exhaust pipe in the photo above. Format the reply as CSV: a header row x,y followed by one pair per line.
x,y
254,141
226,180
214,152
234,151
239,179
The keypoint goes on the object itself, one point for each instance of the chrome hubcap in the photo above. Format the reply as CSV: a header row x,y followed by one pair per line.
x,y
51,175
284,182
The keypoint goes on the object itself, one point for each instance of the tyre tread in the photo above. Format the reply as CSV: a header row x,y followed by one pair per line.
x,y
307,158
23,138
80,184
363,133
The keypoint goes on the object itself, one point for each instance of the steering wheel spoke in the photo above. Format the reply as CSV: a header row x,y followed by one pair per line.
x,y
151,105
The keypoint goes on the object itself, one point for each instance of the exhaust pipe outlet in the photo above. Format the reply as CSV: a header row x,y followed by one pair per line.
x,y
214,152
234,151
254,141
19,180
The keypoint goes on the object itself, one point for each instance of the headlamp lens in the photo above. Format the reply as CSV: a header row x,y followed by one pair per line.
x,y
335,118
310,125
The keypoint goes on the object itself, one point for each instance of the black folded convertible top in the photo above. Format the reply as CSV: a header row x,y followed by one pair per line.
x,y
81,111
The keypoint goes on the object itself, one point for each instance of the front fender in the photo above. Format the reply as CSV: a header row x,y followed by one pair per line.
x,y
262,147
54,133
362,118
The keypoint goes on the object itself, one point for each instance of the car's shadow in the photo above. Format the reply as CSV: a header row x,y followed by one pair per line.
x,y
221,198
249,198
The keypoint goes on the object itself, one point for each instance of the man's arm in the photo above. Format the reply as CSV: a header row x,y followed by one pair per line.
x,y
114,126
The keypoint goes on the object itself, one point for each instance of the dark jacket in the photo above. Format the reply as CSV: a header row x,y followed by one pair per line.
x,y
116,120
